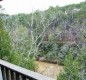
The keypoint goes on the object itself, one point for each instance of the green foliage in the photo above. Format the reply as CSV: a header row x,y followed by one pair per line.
x,y
23,61
30,63
22,40
57,51
51,51
74,69
62,52
71,69
5,43
16,58
82,62
8,53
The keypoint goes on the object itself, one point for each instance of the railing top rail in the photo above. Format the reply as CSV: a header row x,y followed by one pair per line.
x,y
24,71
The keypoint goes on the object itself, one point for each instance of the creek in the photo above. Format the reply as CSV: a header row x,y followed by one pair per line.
x,y
48,69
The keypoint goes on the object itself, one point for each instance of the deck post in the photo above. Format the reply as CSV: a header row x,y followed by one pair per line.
x,y
1,74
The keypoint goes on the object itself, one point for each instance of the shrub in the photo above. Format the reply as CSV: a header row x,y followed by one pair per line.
x,y
30,63
26,62
16,58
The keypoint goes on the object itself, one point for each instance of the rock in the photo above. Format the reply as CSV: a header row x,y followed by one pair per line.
x,y
41,58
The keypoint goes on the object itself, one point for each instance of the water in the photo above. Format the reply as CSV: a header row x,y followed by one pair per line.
x,y
49,69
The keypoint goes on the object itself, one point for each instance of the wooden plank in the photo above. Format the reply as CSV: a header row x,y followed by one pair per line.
x,y
3,72
1,0
17,76
12,75
23,78
7,74
25,72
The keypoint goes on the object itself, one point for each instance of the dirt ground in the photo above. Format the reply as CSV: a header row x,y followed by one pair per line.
x,y
49,69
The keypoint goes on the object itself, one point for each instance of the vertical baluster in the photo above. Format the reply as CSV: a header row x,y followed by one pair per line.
x,y
20,77
3,72
17,76
7,74
12,75
23,78
27,78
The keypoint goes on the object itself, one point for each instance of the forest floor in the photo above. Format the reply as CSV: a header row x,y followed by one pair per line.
x,y
48,69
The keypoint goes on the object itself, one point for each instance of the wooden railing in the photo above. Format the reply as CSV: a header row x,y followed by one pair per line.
x,y
10,71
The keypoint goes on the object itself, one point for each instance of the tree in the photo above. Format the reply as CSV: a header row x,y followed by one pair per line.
x,y
71,69
74,69
5,43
